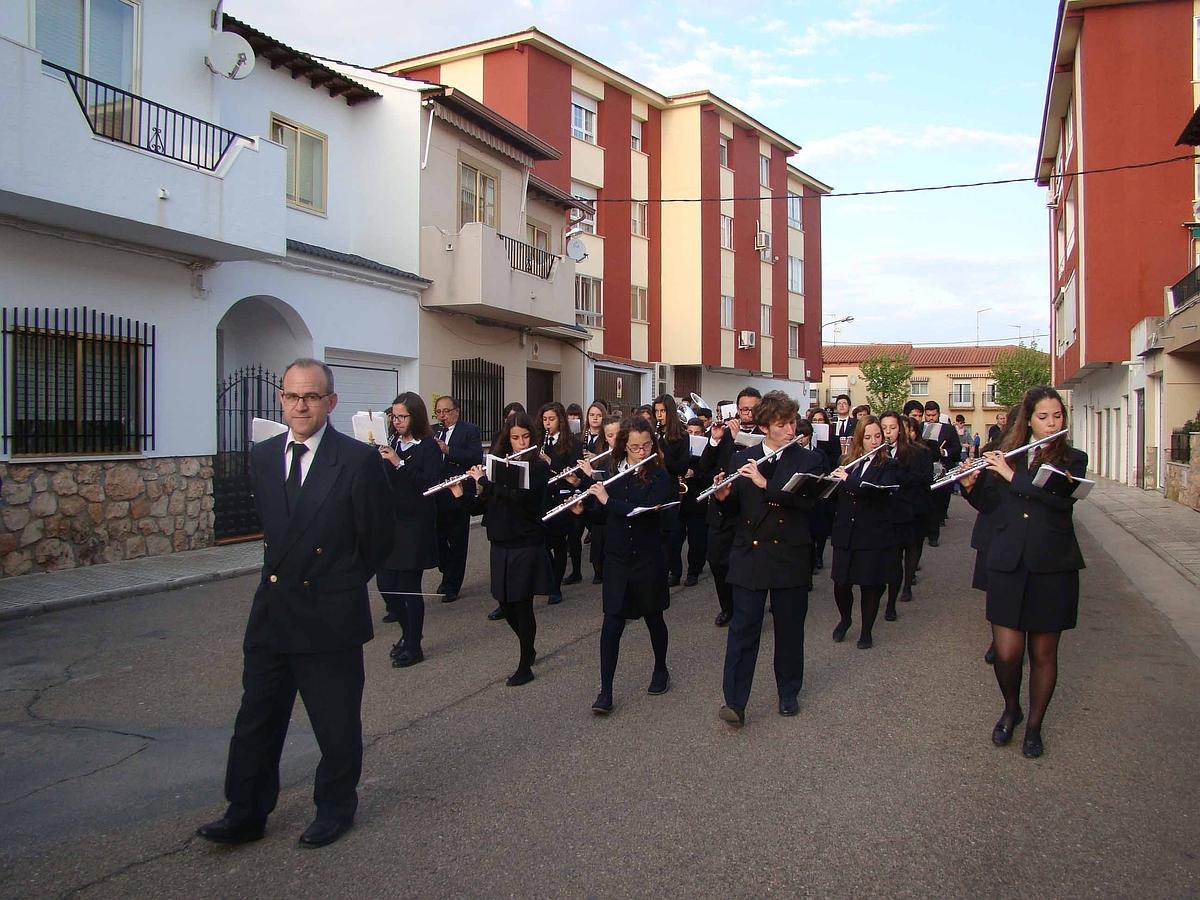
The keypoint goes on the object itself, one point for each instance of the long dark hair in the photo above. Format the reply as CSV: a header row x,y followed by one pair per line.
x,y
640,426
673,429
565,445
418,422
1019,432
903,450
502,446
856,444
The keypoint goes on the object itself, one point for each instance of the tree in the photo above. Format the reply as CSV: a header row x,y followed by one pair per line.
x,y
1016,371
889,378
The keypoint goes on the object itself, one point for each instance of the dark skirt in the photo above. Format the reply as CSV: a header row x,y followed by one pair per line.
x,y
906,532
870,567
1033,601
520,573
633,590
979,578
920,526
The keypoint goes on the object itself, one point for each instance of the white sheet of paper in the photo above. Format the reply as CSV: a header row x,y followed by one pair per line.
x,y
728,411
641,510
697,443
369,427
491,462
576,425
820,431
1083,486
931,431
748,438
262,429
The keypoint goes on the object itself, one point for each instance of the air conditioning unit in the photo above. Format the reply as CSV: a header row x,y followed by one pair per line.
x,y
762,240
662,379
747,340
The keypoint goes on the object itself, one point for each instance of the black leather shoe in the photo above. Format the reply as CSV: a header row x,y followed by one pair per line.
x,y
865,643
597,578
722,619
519,677
1031,747
889,614
789,706
691,581
449,598
933,542
319,833
602,705
906,596
408,658
839,633
660,682
732,715
573,578
496,614
554,600
1003,731
390,617
397,649
226,831
673,581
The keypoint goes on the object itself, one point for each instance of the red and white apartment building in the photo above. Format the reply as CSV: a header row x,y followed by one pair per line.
x,y
1122,80
676,297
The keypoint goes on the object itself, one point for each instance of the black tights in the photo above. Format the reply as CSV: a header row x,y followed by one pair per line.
x,y
1043,670
520,619
610,645
910,558
843,595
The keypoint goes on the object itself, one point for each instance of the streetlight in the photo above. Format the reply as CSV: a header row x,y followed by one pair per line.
x,y
978,313
1020,329
838,321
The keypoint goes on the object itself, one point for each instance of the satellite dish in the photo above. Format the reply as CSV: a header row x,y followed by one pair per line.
x,y
576,249
230,56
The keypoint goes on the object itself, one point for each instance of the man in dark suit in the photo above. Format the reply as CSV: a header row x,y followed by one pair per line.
x,y
947,449
844,423
462,448
771,554
325,506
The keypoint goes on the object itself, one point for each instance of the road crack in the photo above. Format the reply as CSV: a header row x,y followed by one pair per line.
x,y
129,867
79,777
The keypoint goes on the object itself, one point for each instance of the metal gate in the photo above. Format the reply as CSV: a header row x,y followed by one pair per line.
x,y
478,386
617,388
247,393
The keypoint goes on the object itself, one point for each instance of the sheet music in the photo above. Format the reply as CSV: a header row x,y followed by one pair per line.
x,y
369,427
1047,474
800,478
820,431
642,510
728,411
502,472
931,431
263,429
748,438
697,443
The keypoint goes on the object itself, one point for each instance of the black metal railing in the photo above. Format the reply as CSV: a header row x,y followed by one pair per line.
x,y
1185,288
244,394
1181,447
962,401
76,381
126,118
529,259
478,385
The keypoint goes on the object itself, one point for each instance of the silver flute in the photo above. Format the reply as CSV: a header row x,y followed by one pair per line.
x,y
978,465
458,479
571,471
582,495
730,479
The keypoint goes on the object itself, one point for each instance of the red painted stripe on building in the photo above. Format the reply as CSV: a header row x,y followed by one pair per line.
x,y
429,73
549,93
614,220
710,236
747,280
652,147
810,331
779,270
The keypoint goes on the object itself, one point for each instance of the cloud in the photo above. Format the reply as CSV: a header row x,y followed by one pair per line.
x,y
875,140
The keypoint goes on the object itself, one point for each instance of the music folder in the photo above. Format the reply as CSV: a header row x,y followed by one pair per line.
x,y
697,443
815,487
748,438
369,427
820,431
930,431
507,473
263,429
884,488
642,510
1063,484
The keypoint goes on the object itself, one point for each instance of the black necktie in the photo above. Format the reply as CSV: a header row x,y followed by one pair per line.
x,y
293,485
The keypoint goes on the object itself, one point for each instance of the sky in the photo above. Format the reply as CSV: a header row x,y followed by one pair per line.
x,y
880,94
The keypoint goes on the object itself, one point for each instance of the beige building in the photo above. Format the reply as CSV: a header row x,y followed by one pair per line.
x,y
498,321
958,378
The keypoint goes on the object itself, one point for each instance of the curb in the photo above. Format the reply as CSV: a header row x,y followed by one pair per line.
x,y
1169,560
41,607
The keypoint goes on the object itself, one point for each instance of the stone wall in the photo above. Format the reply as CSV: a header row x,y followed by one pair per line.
x,y
62,515
1182,482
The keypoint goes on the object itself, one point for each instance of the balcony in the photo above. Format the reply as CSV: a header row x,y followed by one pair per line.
x,y
961,401
486,274
1187,288
85,156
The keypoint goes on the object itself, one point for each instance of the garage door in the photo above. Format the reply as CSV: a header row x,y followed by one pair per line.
x,y
362,387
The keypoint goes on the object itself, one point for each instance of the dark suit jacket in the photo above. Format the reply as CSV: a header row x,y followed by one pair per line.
x,y
316,562
864,516
947,447
415,546
843,428
634,552
464,449
1033,528
772,544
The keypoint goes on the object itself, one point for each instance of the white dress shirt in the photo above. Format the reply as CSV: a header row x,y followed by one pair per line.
x,y
306,460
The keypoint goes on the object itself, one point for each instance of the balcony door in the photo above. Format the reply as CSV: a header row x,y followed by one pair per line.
x,y
97,38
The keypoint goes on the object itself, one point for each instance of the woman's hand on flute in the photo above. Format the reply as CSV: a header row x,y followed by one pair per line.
x,y
598,491
389,454
998,464
456,490
967,482
586,468
723,492
477,473
839,473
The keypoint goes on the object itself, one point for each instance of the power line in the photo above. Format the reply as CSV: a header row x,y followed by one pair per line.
x,y
934,343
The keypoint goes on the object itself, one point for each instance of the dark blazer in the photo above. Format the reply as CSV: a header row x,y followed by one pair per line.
x,y
772,543
946,446
312,597
513,516
415,546
634,553
464,449
864,516
592,443
843,428
914,478
1033,528
720,528
562,456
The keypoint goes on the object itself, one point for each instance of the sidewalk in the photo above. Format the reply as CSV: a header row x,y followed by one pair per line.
x,y
30,595
1170,529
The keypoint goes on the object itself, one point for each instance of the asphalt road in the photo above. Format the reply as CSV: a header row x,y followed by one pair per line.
x,y
114,722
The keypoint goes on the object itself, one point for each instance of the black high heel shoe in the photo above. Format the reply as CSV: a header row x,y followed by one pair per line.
x,y
1031,747
990,656
1003,732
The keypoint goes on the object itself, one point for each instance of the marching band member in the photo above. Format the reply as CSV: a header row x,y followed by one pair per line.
x,y
693,512
948,451
821,518
676,453
635,569
593,434
1033,562
575,526
924,507
520,564
461,448
559,451
610,428
864,539
915,474
769,556
415,464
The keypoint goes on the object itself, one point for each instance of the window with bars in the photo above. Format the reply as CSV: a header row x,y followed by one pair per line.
x,y
989,394
727,311
77,382
477,196
960,393
638,305
589,301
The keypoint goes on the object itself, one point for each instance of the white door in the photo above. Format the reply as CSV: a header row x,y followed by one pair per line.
x,y
362,387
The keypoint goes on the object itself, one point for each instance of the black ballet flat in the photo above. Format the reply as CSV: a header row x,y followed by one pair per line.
x,y
722,619
906,596
1031,747
660,682
889,615
865,643
990,656
839,633
519,677
603,704
554,600
1003,733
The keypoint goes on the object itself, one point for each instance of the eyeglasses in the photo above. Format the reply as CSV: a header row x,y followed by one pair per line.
x,y
311,397
746,408
444,409
639,448
401,415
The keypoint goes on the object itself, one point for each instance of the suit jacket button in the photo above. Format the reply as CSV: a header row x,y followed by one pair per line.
x,y
306,584
1026,515
319,551
756,543
273,579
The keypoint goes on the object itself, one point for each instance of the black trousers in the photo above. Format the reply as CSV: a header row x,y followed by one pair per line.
x,y
940,506
401,593
790,608
331,686
453,536
575,543
724,588
696,528
556,544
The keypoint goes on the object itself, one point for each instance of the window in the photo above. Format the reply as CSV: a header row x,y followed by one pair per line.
x,y
536,236
583,118
635,135
765,319
639,218
589,301
919,387
1196,50
726,310
477,196
989,394
95,37
78,384
587,193
1069,128
638,308
795,275
764,170
793,340
723,152
1069,215
1064,318
1060,243
306,153
960,394
795,211
727,232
